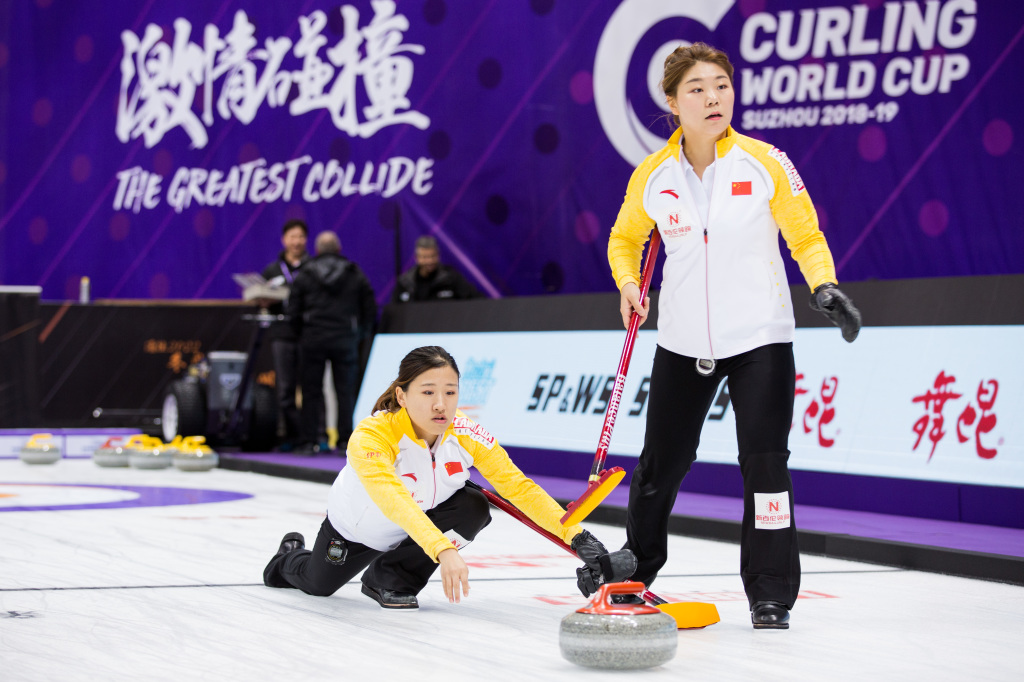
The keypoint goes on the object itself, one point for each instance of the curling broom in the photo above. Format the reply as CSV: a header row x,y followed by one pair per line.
x,y
603,481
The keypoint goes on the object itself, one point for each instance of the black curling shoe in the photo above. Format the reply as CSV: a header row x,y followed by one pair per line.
x,y
769,615
389,599
290,543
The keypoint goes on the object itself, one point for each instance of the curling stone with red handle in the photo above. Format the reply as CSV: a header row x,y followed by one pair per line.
x,y
618,636
113,453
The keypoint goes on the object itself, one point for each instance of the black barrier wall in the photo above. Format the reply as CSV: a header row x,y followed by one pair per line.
x,y
19,369
895,303
109,363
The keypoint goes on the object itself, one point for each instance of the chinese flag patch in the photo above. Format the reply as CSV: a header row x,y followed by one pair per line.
x,y
741,188
453,468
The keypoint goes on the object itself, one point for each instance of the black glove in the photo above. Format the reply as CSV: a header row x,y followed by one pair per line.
x,y
828,300
588,549
615,568
601,566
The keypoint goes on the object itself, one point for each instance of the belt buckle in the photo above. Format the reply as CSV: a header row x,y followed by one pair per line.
x,y
705,366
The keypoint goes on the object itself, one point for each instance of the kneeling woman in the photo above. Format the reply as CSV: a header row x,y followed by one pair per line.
x,y
400,507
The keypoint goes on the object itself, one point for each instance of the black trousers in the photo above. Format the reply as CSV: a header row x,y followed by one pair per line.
x,y
406,568
344,357
286,368
761,384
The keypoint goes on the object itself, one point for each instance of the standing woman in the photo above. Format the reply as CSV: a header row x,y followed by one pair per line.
x,y
719,200
400,507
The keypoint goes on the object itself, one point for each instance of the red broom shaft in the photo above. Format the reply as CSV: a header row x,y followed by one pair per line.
x,y
514,512
627,353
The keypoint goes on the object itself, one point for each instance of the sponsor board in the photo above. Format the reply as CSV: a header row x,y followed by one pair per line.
x,y
928,403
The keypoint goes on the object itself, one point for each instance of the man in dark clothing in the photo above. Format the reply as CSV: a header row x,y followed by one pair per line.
x,y
283,342
429,279
332,307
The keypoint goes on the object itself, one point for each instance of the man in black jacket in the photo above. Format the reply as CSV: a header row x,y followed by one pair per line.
x,y
283,342
332,307
429,279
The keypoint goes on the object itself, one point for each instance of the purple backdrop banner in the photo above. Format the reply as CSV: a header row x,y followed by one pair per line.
x,y
157,148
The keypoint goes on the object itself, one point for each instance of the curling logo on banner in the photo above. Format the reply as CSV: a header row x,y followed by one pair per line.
x,y
818,55
771,510
628,24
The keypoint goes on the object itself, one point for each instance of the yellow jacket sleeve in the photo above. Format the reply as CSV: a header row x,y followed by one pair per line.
x,y
632,226
798,221
512,484
372,457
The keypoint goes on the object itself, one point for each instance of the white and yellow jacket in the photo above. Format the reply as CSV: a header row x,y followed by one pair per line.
x,y
724,290
392,477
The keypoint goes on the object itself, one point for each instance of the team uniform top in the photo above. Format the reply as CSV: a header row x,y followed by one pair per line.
x,y
725,290
392,477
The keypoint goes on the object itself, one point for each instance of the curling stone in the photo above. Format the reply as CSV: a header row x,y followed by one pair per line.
x,y
113,453
195,455
618,636
149,453
40,449
173,447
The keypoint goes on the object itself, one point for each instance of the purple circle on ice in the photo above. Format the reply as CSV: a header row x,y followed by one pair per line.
x,y
148,496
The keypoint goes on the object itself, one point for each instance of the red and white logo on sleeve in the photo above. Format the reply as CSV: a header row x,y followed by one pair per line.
x,y
796,183
772,511
457,540
467,427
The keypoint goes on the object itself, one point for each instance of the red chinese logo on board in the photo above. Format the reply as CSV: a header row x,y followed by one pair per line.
x,y
981,418
819,415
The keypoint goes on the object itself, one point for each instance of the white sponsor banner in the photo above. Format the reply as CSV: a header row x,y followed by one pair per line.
x,y
928,403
